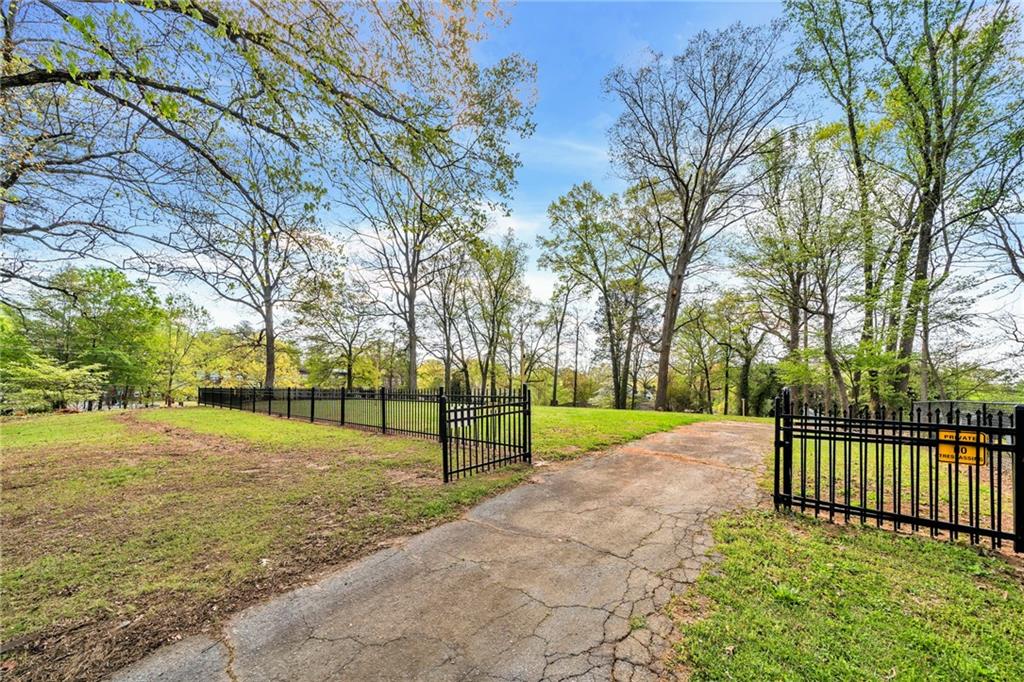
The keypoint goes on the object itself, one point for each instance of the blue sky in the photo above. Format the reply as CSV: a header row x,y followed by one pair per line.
x,y
574,45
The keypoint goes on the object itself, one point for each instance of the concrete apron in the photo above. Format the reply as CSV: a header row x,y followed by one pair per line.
x,y
562,578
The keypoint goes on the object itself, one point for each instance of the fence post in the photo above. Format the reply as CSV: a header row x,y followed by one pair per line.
x,y
289,399
383,412
442,429
253,398
312,403
527,435
341,410
270,400
777,412
440,413
787,447
1018,479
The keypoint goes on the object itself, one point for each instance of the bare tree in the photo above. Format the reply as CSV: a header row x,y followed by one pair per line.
x,y
689,128
489,304
558,309
262,260
444,297
405,225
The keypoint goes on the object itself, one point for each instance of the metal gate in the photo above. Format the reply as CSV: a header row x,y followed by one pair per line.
x,y
481,432
955,474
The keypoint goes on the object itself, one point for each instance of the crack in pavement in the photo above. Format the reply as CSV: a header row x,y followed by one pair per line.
x,y
566,579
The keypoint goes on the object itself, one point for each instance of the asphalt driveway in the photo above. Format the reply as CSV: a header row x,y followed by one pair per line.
x,y
563,578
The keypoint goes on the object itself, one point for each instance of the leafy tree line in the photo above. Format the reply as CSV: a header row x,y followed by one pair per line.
x,y
762,240
843,257
93,339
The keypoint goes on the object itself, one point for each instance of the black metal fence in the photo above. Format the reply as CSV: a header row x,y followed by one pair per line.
x,y
477,432
953,474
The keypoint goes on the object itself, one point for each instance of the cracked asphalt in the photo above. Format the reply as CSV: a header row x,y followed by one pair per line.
x,y
563,578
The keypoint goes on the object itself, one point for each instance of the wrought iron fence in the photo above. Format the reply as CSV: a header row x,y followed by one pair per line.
x,y
953,474
477,431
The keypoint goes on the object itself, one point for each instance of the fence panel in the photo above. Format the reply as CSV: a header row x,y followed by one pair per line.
x,y
486,431
477,432
953,474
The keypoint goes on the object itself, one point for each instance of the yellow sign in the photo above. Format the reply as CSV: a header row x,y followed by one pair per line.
x,y
965,444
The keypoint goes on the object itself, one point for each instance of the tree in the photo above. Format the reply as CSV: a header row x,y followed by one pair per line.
x,y
30,382
489,304
592,246
558,309
338,318
406,224
261,260
947,80
105,105
689,128
182,322
444,297
97,317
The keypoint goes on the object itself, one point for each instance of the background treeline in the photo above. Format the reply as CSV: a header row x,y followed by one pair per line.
x,y
830,202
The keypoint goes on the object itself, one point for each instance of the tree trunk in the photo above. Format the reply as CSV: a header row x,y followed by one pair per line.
x,y
554,381
744,383
926,358
668,328
828,327
349,361
270,338
625,369
576,366
725,409
410,324
918,291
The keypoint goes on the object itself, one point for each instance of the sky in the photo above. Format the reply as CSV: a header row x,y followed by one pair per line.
x,y
575,45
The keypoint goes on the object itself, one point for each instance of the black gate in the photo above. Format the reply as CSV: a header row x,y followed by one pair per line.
x,y
477,431
955,474
485,431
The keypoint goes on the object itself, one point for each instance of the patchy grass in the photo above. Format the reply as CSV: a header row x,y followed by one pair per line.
x,y
125,531
794,598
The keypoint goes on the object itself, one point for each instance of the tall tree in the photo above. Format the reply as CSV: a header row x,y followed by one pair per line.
x,y
176,344
940,82
591,246
338,317
498,270
261,260
690,125
444,298
406,224
558,309
103,104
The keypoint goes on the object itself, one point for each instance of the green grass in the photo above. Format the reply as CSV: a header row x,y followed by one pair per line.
x,y
159,515
566,432
815,462
66,431
794,599
154,516
277,434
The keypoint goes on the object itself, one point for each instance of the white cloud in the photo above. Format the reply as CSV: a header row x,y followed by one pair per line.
x,y
564,152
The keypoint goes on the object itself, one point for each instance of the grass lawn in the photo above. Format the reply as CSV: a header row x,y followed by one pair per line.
x,y
565,432
794,598
123,531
